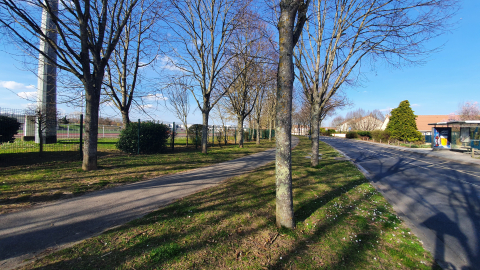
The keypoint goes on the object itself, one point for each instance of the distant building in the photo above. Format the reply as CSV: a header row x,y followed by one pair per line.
x,y
366,123
422,122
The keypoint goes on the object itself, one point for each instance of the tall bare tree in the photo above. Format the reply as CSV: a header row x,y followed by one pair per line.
x,y
293,14
271,105
342,33
177,97
137,49
250,49
202,31
88,32
263,84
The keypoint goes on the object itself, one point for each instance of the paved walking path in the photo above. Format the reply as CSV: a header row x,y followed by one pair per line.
x,y
39,230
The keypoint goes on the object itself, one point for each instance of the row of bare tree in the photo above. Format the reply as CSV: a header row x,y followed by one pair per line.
x,y
223,53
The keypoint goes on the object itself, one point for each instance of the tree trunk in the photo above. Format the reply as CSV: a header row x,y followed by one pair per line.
x,y
240,131
258,130
283,158
315,115
269,130
205,131
92,99
125,118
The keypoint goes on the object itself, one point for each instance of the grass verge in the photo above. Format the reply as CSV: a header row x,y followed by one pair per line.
x,y
342,223
24,185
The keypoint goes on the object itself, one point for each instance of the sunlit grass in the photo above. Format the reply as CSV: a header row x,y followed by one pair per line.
x,y
342,222
61,177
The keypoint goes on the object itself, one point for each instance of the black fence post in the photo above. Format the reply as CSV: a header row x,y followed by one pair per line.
x,y
81,136
235,135
213,135
138,138
225,135
173,136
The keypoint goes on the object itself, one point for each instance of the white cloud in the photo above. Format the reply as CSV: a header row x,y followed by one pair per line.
x,y
12,85
168,63
146,106
28,95
386,110
415,105
155,97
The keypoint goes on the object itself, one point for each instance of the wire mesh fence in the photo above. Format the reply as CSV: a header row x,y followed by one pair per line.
x,y
65,135
61,138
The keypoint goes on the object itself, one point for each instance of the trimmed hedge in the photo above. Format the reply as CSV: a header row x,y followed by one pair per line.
x,y
8,128
364,134
351,135
382,135
153,138
325,132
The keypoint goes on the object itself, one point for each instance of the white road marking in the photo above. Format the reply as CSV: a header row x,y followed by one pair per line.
x,y
422,167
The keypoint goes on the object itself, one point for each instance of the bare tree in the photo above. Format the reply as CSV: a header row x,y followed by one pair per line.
x,y
137,48
88,32
337,121
360,119
261,89
271,105
249,50
301,118
293,14
202,31
177,96
342,33
468,110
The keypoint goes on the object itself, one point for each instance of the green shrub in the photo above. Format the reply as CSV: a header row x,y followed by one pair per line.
x,y
246,135
351,135
382,135
153,138
195,133
364,134
8,128
325,132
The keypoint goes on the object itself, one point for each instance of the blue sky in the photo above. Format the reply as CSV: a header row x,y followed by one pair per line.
x,y
449,77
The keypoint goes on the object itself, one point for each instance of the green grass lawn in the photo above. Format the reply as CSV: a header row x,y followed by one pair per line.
x,y
55,175
342,222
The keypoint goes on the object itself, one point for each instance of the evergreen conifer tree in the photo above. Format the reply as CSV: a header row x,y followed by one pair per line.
x,y
402,125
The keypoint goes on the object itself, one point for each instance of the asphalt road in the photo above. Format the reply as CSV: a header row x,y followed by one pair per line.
x,y
439,199
45,228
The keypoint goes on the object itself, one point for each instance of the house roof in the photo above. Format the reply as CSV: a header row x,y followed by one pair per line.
x,y
424,120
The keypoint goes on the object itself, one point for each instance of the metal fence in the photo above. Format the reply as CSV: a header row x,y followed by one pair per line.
x,y
67,136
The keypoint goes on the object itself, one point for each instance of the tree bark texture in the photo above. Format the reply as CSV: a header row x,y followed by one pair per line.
x,y
283,158
240,131
315,114
258,130
205,131
92,98
269,130
125,118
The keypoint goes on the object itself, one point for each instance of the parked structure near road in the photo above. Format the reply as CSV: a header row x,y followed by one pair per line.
x,y
458,135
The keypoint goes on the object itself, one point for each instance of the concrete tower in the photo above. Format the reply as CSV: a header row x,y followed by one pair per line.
x,y
47,80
